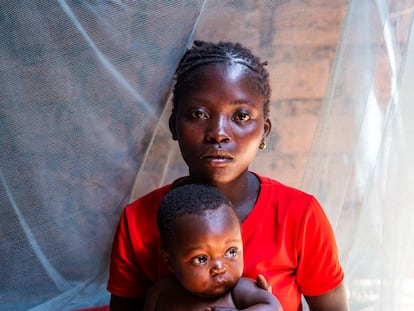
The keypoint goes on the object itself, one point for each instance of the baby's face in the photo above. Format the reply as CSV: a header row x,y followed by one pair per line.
x,y
206,252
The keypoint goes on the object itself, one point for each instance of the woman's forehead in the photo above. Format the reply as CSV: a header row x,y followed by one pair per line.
x,y
228,69
221,78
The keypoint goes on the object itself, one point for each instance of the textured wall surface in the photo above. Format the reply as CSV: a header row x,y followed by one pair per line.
x,y
299,40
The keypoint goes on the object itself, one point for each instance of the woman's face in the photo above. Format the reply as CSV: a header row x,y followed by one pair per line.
x,y
206,252
219,122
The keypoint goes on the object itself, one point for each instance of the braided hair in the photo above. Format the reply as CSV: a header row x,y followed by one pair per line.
x,y
194,199
204,53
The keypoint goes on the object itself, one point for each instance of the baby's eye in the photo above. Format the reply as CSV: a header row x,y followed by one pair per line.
x,y
231,252
199,114
242,116
200,260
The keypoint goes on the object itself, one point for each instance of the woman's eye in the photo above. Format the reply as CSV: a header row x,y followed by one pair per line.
x,y
231,252
200,260
242,117
198,114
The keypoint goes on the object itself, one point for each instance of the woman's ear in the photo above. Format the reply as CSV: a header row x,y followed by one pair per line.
x,y
267,127
166,257
171,124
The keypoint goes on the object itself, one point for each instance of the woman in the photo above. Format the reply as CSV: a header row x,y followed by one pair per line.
x,y
220,119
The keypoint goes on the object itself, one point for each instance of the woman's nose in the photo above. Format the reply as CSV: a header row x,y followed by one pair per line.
x,y
219,130
218,268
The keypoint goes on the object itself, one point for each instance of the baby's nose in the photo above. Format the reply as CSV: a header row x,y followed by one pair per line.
x,y
218,268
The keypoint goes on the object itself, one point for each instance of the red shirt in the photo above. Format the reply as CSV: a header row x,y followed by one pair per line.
x,y
287,238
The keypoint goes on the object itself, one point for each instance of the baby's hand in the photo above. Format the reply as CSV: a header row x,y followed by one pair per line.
x,y
262,283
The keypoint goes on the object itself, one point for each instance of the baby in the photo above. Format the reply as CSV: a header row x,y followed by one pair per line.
x,y
202,245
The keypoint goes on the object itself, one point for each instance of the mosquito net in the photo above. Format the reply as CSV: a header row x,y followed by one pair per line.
x,y
84,103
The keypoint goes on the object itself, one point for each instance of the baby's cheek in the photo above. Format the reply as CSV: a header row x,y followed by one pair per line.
x,y
239,269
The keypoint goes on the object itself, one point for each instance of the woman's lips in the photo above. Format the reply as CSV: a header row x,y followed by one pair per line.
x,y
216,153
217,156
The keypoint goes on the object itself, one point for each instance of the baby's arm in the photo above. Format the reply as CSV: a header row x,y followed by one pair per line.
x,y
248,296
152,298
160,293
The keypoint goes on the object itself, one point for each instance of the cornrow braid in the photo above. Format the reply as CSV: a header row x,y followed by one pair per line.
x,y
204,53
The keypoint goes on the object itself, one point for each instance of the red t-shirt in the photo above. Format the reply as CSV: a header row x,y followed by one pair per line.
x,y
287,238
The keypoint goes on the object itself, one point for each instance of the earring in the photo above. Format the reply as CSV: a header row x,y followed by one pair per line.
x,y
262,145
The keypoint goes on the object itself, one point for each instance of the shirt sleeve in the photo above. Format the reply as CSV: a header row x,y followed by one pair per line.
x,y
319,269
126,278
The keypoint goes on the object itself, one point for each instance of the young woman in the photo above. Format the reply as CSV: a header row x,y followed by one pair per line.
x,y
220,119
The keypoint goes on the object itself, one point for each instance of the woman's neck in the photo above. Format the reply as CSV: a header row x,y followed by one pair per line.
x,y
244,196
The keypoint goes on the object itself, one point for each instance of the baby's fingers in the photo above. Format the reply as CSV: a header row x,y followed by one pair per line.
x,y
262,283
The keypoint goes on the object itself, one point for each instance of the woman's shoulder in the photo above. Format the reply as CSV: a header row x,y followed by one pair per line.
x,y
151,199
284,199
268,184
159,193
156,194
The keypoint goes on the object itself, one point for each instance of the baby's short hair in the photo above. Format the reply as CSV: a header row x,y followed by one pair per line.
x,y
193,199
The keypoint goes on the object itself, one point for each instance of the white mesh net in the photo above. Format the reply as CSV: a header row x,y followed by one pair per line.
x,y
84,103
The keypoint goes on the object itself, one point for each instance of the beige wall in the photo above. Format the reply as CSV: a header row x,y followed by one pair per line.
x,y
298,39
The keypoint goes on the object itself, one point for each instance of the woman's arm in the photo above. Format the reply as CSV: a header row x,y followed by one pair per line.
x,y
335,300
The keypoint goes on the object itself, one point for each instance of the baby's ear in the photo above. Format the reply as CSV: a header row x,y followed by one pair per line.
x,y
166,257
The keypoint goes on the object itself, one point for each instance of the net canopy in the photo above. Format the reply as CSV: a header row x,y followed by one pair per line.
x,y
85,96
